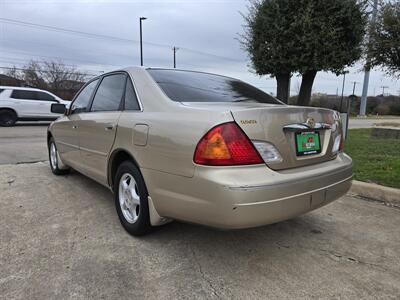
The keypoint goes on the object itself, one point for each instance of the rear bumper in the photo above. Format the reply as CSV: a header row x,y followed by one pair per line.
x,y
250,196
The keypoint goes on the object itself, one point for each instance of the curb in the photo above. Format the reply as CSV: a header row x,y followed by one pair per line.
x,y
378,192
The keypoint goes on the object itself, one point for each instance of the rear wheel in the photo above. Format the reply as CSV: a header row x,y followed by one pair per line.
x,y
56,165
131,199
8,117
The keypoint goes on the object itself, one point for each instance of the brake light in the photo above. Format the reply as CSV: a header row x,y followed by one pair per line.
x,y
226,145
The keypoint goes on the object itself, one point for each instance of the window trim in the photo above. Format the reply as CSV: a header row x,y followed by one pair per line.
x,y
97,87
80,91
136,94
100,78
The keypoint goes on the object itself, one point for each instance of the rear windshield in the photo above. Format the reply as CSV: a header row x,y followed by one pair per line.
x,y
187,86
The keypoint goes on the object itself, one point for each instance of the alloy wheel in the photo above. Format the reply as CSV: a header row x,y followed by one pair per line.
x,y
129,199
53,155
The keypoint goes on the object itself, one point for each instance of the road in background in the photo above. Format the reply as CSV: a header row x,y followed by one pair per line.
x,y
369,122
23,143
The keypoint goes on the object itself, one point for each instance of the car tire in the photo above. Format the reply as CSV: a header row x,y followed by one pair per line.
x,y
131,202
54,158
8,117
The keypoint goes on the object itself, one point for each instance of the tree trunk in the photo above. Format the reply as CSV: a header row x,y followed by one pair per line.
x,y
282,89
307,82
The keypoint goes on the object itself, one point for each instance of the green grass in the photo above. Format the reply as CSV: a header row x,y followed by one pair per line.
x,y
375,160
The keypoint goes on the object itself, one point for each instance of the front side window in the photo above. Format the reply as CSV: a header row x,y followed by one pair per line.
x,y
45,97
81,102
109,94
187,86
131,101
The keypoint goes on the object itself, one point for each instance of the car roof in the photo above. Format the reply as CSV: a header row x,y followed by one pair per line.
x,y
6,87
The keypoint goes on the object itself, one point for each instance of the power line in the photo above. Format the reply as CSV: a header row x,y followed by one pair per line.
x,y
65,30
30,54
11,60
48,71
104,37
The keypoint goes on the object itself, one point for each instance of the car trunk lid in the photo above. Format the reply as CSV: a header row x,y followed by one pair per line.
x,y
280,125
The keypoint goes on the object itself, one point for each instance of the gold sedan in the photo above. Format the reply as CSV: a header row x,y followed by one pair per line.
x,y
200,148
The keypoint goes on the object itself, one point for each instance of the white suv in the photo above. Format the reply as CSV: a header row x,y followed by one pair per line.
x,y
26,104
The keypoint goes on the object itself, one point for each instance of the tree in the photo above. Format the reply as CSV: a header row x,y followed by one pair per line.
x,y
48,75
268,39
56,73
32,75
385,39
304,36
330,39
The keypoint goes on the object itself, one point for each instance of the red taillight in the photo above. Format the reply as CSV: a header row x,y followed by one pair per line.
x,y
226,145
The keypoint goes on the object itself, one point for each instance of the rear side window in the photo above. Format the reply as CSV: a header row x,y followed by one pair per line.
x,y
109,94
186,86
131,101
31,95
81,102
21,94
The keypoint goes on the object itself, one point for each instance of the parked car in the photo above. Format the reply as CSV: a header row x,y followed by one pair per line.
x,y
26,104
199,147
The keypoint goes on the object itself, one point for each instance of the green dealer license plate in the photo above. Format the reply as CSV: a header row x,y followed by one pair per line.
x,y
307,143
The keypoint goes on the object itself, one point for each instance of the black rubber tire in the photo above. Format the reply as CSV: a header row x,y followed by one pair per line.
x,y
142,225
8,117
55,169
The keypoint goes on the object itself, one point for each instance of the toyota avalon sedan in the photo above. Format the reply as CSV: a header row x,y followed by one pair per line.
x,y
200,148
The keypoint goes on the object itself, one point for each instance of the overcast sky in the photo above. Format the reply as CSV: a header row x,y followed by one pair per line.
x,y
206,32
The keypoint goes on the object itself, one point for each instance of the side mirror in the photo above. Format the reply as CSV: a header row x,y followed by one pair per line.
x,y
58,108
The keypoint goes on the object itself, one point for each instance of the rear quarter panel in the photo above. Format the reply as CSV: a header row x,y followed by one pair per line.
x,y
173,129
172,137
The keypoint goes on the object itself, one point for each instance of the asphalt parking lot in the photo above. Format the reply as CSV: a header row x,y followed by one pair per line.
x,y
23,143
60,237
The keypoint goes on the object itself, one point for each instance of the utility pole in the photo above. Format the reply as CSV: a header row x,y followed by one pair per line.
x,y
383,90
141,40
363,105
354,86
174,49
341,99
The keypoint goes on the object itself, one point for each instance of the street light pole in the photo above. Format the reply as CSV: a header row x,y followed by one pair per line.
x,y
175,49
141,40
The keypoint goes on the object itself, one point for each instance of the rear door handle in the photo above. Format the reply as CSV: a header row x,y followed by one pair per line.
x,y
74,126
109,127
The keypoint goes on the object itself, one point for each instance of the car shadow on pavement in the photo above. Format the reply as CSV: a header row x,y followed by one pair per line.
x,y
306,224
